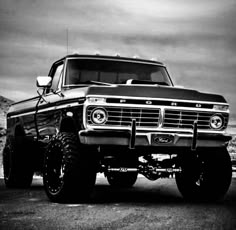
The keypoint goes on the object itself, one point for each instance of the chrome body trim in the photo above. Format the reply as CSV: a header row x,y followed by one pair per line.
x,y
145,139
53,108
156,130
158,99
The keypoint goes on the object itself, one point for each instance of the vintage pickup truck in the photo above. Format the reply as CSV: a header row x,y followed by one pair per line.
x,y
122,117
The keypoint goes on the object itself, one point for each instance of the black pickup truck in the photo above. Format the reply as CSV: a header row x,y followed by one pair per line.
x,y
122,117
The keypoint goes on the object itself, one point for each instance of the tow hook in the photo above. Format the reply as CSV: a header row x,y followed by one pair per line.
x,y
133,134
195,134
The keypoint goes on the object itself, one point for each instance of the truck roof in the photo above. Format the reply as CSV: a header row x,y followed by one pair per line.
x,y
115,57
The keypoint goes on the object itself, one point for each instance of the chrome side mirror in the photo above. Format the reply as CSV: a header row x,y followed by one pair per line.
x,y
44,82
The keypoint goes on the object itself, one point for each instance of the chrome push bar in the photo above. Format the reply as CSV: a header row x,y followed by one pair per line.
x,y
133,135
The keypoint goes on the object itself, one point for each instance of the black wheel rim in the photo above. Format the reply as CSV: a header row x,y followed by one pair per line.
x,y
54,168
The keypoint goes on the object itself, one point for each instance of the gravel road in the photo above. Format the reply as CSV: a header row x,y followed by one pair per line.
x,y
148,205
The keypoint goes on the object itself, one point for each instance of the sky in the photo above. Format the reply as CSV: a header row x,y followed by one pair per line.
x,y
195,39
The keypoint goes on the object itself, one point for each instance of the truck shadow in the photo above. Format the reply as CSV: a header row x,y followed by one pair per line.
x,y
142,193
159,192
106,194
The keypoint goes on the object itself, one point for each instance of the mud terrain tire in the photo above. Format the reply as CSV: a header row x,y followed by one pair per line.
x,y
69,169
206,176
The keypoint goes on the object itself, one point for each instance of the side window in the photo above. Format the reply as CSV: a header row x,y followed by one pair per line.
x,y
56,76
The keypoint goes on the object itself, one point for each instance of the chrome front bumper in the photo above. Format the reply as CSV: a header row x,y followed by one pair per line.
x,y
153,139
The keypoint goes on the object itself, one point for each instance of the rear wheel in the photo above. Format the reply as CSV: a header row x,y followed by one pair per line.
x,y
69,169
17,166
206,175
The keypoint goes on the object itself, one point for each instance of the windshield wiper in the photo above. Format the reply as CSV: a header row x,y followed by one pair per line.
x,y
96,83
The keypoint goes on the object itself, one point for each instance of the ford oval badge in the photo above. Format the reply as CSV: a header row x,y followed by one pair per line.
x,y
162,140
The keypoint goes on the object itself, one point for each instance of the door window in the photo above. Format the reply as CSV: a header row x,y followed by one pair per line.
x,y
56,76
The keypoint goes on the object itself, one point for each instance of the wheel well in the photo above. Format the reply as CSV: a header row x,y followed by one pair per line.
x,y
19,131
68,125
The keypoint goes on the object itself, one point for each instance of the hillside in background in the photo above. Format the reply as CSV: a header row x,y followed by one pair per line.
x,y
232,119
4,105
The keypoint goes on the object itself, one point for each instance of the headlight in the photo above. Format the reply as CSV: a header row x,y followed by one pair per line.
x,y
216,121
221,107
99,116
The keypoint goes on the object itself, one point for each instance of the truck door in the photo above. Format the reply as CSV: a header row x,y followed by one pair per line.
x,y
47,116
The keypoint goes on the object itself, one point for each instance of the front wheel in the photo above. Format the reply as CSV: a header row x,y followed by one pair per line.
x,y
206,175
69,169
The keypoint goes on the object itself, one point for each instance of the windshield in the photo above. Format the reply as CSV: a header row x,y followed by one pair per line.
x,y
83,71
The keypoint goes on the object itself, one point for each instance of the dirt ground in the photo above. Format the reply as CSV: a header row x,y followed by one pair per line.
x,y
148,205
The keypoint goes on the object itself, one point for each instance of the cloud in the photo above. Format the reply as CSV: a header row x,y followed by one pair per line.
x,y
196,39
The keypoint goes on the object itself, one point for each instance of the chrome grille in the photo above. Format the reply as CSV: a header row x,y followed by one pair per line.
x,y
122,116
185,119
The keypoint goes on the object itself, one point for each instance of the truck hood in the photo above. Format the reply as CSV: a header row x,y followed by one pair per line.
x,y
118,91
160,92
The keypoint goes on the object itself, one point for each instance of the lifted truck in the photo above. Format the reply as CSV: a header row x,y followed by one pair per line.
x,y
121,117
